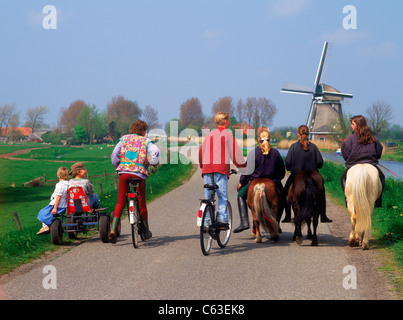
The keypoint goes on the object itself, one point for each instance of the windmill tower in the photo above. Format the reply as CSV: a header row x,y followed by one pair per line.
x,y
325,107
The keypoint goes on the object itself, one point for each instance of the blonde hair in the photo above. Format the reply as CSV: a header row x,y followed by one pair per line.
x,y
264,140
220,117
63,173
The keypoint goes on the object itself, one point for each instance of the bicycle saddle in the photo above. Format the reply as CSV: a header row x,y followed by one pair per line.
x,y
211,186
135,181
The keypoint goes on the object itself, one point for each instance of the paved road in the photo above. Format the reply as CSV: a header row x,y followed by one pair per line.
x,y
172,266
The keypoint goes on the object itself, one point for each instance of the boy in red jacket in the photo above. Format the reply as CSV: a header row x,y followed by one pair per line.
x,y
218,148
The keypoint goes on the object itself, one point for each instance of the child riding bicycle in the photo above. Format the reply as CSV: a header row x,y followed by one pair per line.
x,y
218,148
131,158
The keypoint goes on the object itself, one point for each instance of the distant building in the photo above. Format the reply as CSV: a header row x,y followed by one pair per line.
x,y
22,131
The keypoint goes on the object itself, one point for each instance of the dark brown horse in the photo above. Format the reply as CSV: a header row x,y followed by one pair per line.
x,y
264,200
307,198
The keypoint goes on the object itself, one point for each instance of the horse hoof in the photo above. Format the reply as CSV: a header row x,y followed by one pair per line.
x,y
314,243
298,239
365,247
258,240
352,244
309,236
275,238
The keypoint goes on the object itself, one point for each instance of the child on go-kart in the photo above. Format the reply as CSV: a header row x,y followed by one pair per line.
x,y
58,201
78,172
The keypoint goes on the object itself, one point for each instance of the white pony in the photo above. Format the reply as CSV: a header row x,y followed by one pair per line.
x,y
363,187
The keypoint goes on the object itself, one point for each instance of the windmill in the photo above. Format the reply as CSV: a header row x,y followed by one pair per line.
x,y
325,107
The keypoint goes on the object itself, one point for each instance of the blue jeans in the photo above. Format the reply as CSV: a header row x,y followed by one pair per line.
x,y
222,193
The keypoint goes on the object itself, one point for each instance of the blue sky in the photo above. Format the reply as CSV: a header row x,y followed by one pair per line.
x,y
162,52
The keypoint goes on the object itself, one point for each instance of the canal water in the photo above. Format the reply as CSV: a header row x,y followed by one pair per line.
x,y
394,166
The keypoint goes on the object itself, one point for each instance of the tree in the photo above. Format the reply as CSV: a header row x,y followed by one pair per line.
x,y
240,111
249,110
191,114
8,117
69,116
379,115
266,110
91,121
80,134
223,105
35,116
258,112
123,113
150,115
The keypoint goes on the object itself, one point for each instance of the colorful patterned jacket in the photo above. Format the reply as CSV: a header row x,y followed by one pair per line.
x,y
133,154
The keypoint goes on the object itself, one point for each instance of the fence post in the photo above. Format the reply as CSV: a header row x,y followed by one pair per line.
x,y
100,188
115,180
17,220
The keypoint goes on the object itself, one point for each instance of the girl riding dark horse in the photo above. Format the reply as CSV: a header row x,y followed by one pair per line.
x,y
302,155
307,198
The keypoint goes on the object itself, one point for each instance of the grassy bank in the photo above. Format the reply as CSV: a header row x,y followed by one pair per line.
x,y
387,222
21,246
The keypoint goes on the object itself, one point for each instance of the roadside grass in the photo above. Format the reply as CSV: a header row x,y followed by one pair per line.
x,y
387,222
21,246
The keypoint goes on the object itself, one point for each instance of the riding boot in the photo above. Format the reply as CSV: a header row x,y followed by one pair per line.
x,y
378,202
114,230
147,234
287,208
243,215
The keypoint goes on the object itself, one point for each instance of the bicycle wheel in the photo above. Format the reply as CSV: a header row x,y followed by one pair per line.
x,y
223,235
205,237
134,223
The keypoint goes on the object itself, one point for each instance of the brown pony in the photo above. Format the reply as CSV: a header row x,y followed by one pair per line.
x,y
307,198
264,200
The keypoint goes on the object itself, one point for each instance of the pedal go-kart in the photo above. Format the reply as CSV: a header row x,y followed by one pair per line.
x,y
79,218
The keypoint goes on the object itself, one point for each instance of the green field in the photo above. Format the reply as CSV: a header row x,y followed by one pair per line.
x,y
21,246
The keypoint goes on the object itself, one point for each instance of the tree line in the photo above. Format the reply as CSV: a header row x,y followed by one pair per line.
x,y
81,122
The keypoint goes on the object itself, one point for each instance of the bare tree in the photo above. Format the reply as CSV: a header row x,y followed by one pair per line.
x,y
249,109
191,114
379,115
223,105
35,116
8,117
150,115
266,110
240,111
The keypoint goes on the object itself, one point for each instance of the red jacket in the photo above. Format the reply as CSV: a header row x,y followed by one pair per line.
x,y
218,148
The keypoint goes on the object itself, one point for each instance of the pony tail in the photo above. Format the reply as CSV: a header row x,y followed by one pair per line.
x,y
262,209
303,132
361,202
265,147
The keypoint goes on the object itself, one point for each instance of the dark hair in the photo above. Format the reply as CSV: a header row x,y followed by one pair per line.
x,y
138,127
363,131
303,131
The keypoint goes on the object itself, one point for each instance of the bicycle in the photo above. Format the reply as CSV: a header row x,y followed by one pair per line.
x,y
135,220
207,221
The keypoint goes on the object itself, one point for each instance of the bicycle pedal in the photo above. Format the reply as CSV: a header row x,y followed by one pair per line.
x,y
222,226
